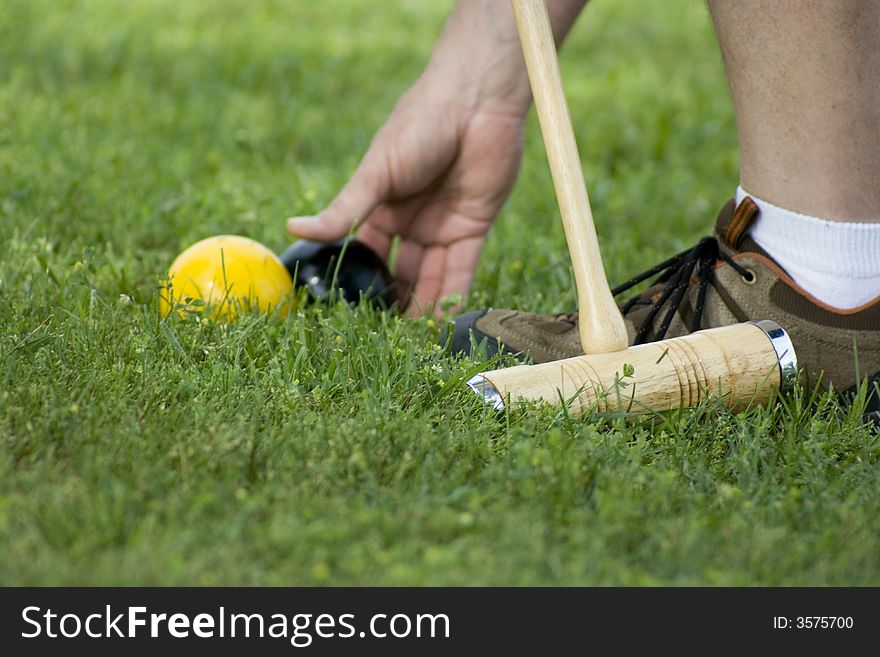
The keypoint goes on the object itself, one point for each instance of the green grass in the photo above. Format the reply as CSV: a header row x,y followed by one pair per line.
x,y
339,446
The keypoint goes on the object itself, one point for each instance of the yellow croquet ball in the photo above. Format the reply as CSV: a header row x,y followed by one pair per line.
x,y
225,275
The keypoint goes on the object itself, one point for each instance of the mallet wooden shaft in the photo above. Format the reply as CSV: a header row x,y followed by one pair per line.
x,y
600,326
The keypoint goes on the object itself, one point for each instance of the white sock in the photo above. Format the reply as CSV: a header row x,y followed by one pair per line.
x,y
837,262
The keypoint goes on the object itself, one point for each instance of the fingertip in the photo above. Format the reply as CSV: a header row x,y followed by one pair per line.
x,y
414,311
310,227
295,224
419,308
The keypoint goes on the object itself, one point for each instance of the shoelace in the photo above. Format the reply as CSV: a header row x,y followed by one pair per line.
x,y
676,273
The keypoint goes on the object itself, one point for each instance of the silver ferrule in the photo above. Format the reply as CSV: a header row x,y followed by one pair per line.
x,y
480,385
788,368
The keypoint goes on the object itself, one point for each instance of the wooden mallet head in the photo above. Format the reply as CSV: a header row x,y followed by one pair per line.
x,y
740,364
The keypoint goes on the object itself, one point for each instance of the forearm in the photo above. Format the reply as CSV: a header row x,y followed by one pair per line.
x,y
479,50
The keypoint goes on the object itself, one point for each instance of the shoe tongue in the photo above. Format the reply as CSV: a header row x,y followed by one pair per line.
x,y
734,221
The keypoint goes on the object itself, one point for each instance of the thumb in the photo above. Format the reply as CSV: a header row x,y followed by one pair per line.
x,y
360,196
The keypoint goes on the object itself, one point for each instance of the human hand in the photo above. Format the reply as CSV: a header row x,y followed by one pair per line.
x,y
436,174
441,167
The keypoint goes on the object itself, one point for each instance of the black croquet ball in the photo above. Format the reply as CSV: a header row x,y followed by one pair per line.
x,y
346,265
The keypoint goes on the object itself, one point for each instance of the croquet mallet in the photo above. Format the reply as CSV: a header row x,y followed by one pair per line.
x,y
741,364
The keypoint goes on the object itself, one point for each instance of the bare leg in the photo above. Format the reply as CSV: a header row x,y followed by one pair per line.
x,y
805,81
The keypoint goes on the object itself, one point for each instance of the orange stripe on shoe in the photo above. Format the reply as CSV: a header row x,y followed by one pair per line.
x,y
742,219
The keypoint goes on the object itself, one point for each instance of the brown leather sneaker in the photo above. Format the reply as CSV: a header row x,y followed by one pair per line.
x,y
722,280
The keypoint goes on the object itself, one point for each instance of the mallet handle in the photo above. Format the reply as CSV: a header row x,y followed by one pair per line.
x,y
740,363
600,326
